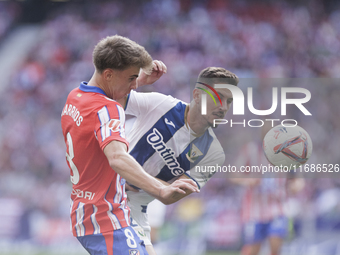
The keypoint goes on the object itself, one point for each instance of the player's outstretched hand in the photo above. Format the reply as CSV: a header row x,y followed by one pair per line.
x,y
158,69
172,193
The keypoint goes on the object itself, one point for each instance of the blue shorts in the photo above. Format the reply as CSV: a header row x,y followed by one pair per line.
x,y
121,242
256,232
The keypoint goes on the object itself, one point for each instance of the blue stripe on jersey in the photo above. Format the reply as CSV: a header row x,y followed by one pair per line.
x,y
203,143
88,88
162,130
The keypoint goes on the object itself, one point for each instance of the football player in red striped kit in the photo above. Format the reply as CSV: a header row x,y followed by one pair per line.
x,y
96,150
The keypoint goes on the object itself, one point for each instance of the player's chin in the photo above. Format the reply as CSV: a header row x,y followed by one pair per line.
x,y
127,93
211,124
124,95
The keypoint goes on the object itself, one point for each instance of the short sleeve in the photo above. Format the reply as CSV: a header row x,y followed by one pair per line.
x,y
110,124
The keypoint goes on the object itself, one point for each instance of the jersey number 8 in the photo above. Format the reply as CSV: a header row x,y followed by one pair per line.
x,y
130,240
69,157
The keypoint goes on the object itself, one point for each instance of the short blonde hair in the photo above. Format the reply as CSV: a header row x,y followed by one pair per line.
x,y
118,52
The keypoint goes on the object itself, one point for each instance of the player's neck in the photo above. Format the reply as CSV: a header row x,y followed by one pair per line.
x,y
96,81
195,124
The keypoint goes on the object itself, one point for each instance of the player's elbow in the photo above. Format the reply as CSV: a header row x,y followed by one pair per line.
x,y
116,161
116,154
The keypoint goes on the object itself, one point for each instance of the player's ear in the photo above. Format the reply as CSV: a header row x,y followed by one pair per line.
x,y
197,95
108,74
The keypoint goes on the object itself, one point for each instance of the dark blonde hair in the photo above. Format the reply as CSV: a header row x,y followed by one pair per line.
x,y
118,52
217,73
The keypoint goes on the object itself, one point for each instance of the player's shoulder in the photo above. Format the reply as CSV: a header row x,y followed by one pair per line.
x,y
86,93
103,103
152,102
153,97
216,144
106,100
76,92
211,132
213,135
135,93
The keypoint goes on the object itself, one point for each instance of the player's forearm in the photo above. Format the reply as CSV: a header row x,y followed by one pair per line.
x,y
126,166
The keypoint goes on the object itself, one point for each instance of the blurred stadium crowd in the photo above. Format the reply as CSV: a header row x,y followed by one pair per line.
x,y
254,39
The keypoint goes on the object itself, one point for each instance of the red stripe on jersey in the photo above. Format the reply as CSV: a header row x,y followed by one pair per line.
x,y
109,243
89,230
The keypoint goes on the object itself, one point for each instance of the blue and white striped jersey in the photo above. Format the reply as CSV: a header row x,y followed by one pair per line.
x,y
161,141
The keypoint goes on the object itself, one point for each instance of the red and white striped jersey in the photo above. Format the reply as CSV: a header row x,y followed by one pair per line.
x,y
265,201
90,121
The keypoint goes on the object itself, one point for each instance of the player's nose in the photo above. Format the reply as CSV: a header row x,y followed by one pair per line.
x,y
224,107
133,84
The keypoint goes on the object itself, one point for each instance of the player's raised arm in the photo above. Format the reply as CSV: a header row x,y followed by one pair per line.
x,y
127,167
145,78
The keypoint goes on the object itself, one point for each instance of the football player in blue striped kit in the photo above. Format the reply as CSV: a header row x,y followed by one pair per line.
x,y
169,137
